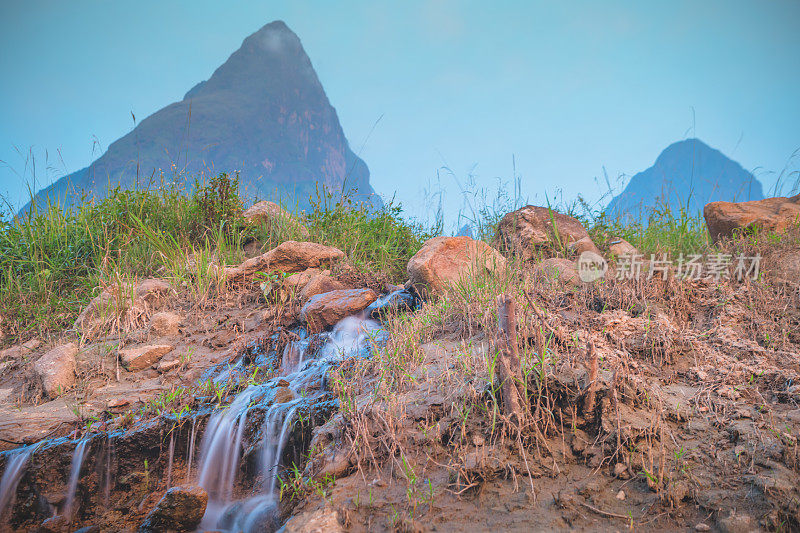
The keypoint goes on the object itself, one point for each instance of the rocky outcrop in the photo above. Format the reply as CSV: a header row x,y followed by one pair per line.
x,y
443,261
180,509
20,350
619,247
124,305
325,310
271,214
289,257
584,244
56,370
140,358
529,230
777,214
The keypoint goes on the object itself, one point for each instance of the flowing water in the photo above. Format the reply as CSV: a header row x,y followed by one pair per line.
x,y
221,448
74,476
15,467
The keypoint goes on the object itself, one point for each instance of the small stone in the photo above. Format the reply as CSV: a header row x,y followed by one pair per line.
x,y
56,370
180,509
621,496
620,470
478,440
116,403
319,521
55,524
702,527
140,358
283,395
165,323
166,366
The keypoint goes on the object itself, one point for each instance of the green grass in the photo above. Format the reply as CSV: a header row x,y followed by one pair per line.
x,y
53,261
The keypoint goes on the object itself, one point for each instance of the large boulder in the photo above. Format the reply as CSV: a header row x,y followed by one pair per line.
x,y
56,370
325,310
775,214
180,509
531,229
559,269
443,261
289,257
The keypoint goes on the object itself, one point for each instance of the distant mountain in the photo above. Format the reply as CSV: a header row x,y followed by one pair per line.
x,y
263,113
688,174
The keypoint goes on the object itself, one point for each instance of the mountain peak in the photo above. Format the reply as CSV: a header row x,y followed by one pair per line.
x,y
686,175
263,113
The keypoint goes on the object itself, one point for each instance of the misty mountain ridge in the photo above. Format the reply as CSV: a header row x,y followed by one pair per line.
x,y
687,175
263,113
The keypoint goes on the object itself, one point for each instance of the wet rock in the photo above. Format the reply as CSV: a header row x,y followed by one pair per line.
x,y
557,268
165,323
320,284
443,261
140,358
289,256
399,300
325,310
619,247
319,521
56,370
778,214
527,231
55,524
283,395
20,350
180,509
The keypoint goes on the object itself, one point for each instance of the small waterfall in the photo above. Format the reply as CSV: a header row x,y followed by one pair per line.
x,y
190,457
15,467
221,446
74,477
170,457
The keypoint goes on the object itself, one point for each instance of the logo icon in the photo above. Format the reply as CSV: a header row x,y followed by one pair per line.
x,y
591,266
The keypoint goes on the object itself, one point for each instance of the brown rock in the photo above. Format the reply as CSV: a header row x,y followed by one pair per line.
x,y
295,283
584,245
531,228
443,261
54,524
776,214
140,358
180,509
319,521
325,310
557,268
619,247
270,213
56,370
289,256
320,284
166,366
116,403
283,395
20,350
165,323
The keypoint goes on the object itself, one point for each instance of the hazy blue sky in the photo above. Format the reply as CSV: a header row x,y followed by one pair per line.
x,y
568,88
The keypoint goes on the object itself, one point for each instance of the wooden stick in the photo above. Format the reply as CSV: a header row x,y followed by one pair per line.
x,y
508,365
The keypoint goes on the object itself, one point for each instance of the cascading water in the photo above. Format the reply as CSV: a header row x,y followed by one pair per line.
x,y
74,476
15,467
221,447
